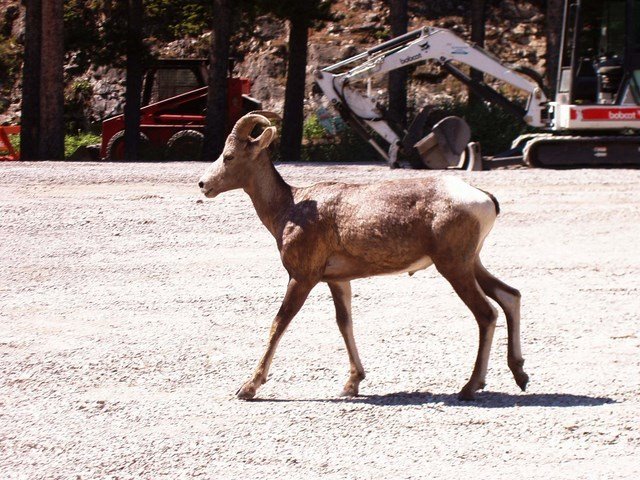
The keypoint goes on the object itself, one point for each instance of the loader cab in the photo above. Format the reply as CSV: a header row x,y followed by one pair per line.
x,y
600,53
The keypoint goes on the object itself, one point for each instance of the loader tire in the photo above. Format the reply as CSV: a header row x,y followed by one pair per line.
x,y
115,147
186,145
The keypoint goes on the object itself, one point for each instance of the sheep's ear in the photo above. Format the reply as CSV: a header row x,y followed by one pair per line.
x,y
266,137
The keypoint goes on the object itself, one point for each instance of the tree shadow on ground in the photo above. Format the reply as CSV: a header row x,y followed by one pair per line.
x,y
483,400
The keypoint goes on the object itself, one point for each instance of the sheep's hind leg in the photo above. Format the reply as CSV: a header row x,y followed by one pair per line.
x,y
464,283
295,297
341,292
509,300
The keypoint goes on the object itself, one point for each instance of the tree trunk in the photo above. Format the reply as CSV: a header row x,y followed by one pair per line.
x,y
30,121
293,117
478,22
51,143
399,19
555,13
217,105
133,81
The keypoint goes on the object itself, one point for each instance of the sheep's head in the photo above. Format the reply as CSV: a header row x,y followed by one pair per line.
x,y
241,151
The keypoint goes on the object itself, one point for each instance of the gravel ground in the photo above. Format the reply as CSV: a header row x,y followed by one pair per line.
x,y
131,309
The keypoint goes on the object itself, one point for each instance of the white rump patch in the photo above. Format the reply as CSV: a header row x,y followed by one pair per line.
x,y
473,201
464,194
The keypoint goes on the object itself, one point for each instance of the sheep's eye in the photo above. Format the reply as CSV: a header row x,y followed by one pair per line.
x,y
227,158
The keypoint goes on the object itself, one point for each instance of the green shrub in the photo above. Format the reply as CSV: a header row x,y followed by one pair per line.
x,y
344,146
15,141
10,60
81,88
71,142
80,139
312,129
491,125
77,99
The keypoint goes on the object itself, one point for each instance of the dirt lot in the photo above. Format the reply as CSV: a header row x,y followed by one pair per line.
x,y
131,310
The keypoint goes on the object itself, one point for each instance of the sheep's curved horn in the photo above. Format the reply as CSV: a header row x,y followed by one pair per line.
x,y
267,114
243,127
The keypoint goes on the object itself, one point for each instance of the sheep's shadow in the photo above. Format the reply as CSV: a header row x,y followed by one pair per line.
x,y
483,400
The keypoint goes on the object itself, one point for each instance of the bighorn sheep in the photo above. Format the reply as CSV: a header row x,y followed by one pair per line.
x,y
335,232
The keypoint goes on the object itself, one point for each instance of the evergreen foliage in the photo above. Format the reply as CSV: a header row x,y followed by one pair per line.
x,y
171,19
10,60
313,11
10,54
97,28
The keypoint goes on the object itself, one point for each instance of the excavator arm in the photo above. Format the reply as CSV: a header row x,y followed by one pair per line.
x,y
359,108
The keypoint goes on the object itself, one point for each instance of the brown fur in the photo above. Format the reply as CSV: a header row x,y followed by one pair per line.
x,y
335,232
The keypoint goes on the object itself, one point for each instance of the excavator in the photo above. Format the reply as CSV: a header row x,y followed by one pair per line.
x,y
593,120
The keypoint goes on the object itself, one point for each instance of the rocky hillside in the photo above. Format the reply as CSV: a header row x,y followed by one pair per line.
x,y
11,31
514,34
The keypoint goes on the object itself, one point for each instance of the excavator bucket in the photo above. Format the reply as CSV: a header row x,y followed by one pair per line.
x,y
443,147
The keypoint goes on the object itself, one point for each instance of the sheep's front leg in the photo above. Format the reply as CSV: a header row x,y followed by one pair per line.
x,y
295,297
341,293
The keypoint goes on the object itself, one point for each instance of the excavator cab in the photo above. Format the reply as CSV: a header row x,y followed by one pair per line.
x,y
595,118
600,55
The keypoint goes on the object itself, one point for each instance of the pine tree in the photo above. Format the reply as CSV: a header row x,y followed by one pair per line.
x,y
399,20
51,141
30,121
555,12
302,15
135,70
293,115
478,23
42,122
216,128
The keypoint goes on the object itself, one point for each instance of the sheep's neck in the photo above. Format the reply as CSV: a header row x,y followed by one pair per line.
x,y
270,194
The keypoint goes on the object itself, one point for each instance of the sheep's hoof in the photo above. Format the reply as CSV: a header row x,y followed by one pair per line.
x,y
247,391
522,379
349,390
468,393
466,396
